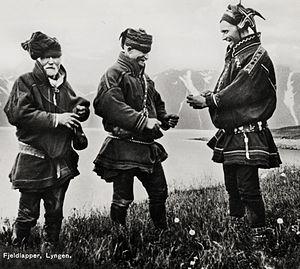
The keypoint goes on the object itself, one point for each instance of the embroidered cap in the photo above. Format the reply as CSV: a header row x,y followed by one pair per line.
x,y
41,45
137,39
241,17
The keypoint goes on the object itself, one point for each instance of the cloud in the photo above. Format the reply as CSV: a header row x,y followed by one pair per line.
x,y
186,33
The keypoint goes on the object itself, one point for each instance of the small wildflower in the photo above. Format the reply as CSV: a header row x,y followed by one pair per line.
x,y
283,175
298,233
295,228
195,258
192,263
176,220
280,221
192,232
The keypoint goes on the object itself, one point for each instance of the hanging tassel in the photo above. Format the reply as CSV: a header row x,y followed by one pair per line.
x,y
246,140
58,170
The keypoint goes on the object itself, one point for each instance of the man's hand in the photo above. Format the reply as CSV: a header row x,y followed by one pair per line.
x,y
152,123
82,112
196,102
171,120
205,93
70,120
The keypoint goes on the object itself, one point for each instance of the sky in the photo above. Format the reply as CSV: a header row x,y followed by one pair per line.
x,y
185,32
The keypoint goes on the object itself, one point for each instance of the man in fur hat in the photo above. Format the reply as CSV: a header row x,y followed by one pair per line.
x,y
133,114
47,114
240,105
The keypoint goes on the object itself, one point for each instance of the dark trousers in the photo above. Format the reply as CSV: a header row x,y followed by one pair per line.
x,y
242,185
157,190
29,211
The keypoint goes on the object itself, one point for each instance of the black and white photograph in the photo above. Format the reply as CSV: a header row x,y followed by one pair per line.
x,y
150,134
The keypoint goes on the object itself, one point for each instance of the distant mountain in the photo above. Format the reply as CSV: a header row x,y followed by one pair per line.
x,y
173,86
287,112
6,82
173,89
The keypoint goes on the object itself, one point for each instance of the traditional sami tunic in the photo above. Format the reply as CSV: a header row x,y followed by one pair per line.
x,y
242,102
46,156
126,97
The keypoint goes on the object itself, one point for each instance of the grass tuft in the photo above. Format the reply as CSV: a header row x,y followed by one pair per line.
x,y
199,234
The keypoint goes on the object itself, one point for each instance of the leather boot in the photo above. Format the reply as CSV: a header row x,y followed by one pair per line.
x,y
50,236
51,231
118,214
20,236
158,215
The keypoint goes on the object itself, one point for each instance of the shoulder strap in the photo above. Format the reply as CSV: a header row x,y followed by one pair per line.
x,y
255,59
29,79
37,95
36,92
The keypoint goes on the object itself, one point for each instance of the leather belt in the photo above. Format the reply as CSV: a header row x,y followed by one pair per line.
x,y
28,149
249,128
132,140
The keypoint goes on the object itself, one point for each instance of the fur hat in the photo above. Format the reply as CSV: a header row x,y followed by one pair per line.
x,y
41,45
137,39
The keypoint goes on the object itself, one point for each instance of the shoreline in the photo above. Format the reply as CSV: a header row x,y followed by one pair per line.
x,y
281,143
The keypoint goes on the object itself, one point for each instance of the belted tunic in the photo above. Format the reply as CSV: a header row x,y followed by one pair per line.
x,y
243,100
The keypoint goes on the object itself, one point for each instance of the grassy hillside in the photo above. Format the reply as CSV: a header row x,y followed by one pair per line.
x,y
199,234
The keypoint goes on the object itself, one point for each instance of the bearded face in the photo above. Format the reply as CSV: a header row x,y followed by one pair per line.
x,y
51,65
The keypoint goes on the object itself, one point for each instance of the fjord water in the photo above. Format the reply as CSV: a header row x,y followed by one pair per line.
x,y
189,166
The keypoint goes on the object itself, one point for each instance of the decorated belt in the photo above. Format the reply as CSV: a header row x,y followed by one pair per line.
x,y
131,140
248,128
28,149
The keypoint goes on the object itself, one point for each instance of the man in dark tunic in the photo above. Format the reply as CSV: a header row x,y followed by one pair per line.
x,y
133,114
240,105
47,115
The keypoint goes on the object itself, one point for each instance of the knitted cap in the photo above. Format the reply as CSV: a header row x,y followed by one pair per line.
x,y
41,45
137,39
240,16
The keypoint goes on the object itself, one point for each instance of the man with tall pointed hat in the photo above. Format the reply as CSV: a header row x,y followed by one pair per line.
x,y
133,114
47,115
240,105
